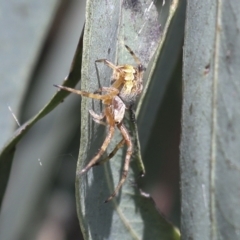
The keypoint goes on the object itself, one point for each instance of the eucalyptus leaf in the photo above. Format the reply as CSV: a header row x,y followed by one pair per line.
x,y
109,26
161,71
7,153
19,53
210,121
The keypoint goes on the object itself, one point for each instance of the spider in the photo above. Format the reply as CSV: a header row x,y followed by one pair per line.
x,y
127,85
127,79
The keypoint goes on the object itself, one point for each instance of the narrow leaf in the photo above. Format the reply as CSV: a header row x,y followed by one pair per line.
x,y
7,153
109,26
210,121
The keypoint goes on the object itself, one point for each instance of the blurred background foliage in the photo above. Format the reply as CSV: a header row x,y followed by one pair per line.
x,y
38,41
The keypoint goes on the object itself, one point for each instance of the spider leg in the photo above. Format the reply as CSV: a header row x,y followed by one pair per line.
x,y
111,155
112,91
118,81
128,141
97,117
133,55
141,68
132,113
101,151
87,94
135,136
109,64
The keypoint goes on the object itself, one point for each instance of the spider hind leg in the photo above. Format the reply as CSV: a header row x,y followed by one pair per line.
x,y
128,141
101,151
112,154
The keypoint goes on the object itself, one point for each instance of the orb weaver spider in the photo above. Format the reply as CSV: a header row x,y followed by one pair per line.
x,y
126,78
127,85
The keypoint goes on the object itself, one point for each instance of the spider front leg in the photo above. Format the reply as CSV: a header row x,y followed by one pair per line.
x,y
118,81
111,92
109,64
137,60
128,141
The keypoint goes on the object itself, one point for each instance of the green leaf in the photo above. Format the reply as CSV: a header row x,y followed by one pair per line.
x,y
129,215
210,121
7,153
19,54
162,68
